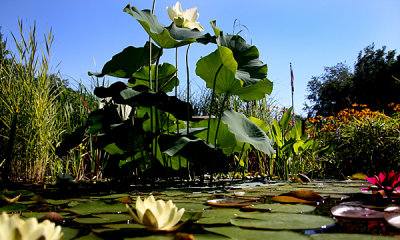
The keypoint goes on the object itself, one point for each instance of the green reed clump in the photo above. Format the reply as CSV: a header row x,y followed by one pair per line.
x,y
28,126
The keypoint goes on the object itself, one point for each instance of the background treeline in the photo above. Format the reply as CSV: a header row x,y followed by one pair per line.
x,y
373,82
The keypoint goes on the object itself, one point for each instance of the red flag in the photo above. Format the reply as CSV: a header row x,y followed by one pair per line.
x,y
291,77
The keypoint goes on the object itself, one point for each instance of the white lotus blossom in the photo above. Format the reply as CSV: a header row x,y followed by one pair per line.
x,y
156,215
185,19
13,228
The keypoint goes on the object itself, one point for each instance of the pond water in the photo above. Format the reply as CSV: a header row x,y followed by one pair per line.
x,y
250,210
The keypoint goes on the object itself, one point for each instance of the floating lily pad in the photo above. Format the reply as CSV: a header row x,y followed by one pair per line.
x,y
57,202
344,211
104,218
346,236
118,226
232,202
13,207
93,207
239,233
90,236
111,196
393,219
283,208
290,199
69,233
190,206
281,221
218,216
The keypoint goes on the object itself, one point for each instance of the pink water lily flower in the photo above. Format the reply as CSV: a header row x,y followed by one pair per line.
x,y
386,183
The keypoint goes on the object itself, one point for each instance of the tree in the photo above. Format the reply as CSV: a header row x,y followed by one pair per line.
x,y
373,83
331,91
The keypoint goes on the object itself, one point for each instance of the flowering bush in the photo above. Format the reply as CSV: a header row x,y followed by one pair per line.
x,y
362,140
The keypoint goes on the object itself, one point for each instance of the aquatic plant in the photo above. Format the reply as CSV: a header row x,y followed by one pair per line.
x,y
13,228
386,183
156,215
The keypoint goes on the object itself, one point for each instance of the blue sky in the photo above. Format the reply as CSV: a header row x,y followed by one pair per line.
x,y
309,33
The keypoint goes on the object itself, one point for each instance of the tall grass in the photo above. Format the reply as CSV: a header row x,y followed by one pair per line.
x,y
28,126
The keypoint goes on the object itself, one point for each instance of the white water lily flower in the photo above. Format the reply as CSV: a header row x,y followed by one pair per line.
x,y
15,228
185,19
156,215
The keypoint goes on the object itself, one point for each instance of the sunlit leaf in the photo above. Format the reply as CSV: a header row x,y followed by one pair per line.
x,y
129,61
166,37
247,131
167,79
248,234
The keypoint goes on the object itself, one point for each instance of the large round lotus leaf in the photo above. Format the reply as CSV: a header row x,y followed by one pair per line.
x,y
69,233
218,216
283,208
239,233
104,218
281,221
93,207
208,237
346,236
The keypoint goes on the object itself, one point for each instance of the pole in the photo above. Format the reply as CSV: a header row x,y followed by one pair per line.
x,y
292,85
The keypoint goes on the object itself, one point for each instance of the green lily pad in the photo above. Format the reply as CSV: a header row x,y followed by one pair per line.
x,y
57,202
90,236
281,221
103,219
239,233
218,216
69,233
118,226
13,207
283,208
346,236
111,196
93,207
153,237
190,206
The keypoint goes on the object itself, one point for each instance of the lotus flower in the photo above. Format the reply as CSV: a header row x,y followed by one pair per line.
x,y
156,215
15,228
386,183
184,19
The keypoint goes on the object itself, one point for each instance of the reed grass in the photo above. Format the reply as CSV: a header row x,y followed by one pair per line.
x,y
28,105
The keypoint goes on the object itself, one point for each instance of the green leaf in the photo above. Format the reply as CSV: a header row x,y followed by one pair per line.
x,y
239,233
286,117
247,131
352,236
226,141
282,221
92,207
221,66
104,218
166,37
218,216
129,61
284,208
251,70
167,79
142,96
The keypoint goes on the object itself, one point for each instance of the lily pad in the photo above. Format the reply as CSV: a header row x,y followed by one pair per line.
x,y
344,211
93,207
118,226
238,233
283,208
346,236
231,202
103,219
69,233
281,221
393,219
218,216
13,207
290,199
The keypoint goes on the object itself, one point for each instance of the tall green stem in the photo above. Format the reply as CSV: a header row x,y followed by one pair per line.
x,y
212,102
187,88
